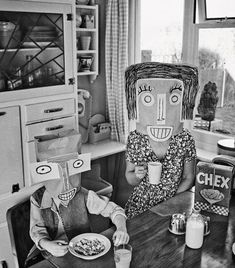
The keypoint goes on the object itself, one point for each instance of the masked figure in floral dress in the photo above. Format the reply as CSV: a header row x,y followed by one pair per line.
x,y
159,97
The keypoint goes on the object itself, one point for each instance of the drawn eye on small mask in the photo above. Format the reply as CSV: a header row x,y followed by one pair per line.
x,y
78,163
43,169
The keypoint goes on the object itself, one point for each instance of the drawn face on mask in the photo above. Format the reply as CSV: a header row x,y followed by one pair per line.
x,y
159,107
61,177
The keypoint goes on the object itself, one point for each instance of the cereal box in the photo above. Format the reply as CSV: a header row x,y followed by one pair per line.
x,y
213,187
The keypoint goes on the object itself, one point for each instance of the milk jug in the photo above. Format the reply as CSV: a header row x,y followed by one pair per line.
x,y
194,229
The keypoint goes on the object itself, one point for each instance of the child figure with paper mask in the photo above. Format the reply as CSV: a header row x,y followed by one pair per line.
x,y
61,208
159,97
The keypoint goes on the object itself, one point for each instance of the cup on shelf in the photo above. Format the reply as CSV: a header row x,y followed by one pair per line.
x,y
84,63
85,42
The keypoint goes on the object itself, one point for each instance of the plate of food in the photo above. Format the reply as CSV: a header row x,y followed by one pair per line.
x,y
89,246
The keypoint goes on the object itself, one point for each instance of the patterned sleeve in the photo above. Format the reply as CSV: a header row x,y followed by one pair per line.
x,y
130,156
190,149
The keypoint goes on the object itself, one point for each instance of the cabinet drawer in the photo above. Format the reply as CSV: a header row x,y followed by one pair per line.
x,y
51,109
50,127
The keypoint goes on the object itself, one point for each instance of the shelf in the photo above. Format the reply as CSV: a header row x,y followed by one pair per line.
x,y
103,148
89,16
86,29
26,49
86,73
86,51
85,7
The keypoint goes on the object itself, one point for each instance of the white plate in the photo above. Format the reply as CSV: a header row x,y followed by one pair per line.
x,y
33,45
104,240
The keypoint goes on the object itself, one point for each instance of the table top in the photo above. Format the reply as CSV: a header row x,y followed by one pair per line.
x,y
154,246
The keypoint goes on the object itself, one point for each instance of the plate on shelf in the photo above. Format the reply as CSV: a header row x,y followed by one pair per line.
x,y
42,28
89,246
41,44
39,39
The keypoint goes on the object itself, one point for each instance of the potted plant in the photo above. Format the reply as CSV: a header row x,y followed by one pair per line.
x,y
208,101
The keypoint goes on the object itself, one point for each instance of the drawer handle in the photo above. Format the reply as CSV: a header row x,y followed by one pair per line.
x,y
2,113
55,110
54,128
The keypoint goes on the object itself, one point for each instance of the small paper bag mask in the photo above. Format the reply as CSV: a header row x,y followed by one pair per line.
x,y
57,172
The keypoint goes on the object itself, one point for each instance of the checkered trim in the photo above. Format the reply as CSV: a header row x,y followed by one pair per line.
x,y
214,208
116,41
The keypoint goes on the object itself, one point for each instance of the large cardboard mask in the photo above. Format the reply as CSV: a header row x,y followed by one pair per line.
x,y
160,96
59,174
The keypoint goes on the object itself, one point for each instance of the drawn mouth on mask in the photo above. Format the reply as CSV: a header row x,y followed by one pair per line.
x,y
159,133
66,196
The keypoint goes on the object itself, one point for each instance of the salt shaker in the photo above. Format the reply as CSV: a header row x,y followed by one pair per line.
x,y
194,229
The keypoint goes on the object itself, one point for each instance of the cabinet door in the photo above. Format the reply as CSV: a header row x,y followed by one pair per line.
x,y
6,255
11,169
36,50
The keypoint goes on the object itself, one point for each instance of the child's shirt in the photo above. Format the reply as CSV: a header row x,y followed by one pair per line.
x,y
95,204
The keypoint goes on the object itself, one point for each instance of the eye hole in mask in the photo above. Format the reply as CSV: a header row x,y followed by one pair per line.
x,y
175,98
78,163
147,99
44,169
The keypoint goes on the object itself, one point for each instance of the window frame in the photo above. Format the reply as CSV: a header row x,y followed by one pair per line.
x,y
202,12
204,139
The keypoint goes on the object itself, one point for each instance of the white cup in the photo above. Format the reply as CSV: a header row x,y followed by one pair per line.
x,y
154,171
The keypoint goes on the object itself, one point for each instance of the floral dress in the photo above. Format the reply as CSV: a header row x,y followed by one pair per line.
x,y
145,195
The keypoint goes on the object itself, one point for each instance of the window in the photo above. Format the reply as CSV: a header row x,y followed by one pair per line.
x,y
219,9
178,31
215,57
161,30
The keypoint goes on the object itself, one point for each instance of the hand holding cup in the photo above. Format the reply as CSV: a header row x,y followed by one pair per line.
x,y
140,172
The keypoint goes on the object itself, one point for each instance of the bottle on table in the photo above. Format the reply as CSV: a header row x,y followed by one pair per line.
x,y
194,230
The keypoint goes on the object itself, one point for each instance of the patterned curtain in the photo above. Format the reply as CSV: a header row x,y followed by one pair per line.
x,y
116,43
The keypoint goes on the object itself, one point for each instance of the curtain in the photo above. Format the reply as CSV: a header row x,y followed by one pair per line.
x,y
116,57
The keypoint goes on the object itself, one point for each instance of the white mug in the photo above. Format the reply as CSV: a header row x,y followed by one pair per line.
x,y
154,171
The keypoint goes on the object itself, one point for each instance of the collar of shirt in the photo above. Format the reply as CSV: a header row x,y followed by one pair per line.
x,y
49,201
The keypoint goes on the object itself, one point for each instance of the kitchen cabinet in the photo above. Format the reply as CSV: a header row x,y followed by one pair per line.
x,y
11,162
38,92
38,71
87,40
35,59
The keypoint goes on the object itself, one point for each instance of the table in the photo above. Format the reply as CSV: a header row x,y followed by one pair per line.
x,y
154,246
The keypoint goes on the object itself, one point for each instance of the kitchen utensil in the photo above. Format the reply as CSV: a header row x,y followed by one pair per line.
x,y
177,224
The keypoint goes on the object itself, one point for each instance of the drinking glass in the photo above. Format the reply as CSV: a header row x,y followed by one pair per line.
x,y
122,255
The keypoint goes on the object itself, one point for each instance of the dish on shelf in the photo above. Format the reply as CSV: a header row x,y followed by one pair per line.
x,y
45,33
41,28
39,39
82,2
36,45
